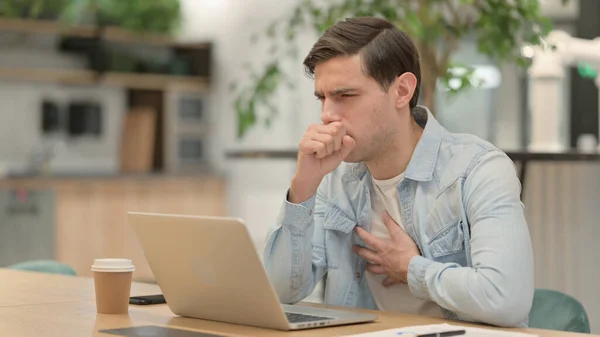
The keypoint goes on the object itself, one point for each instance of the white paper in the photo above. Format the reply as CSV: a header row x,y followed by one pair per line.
x,y
423,329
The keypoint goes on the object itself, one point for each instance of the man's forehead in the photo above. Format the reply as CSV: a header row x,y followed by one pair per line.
x,y
339,74
350,65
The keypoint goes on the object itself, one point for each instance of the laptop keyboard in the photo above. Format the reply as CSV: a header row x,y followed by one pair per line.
x,y
300,318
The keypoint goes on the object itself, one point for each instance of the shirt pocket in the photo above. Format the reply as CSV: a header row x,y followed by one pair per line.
x,y
338,236
448,244
444,227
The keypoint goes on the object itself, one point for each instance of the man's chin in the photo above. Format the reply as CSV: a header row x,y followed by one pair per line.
x,y
351,159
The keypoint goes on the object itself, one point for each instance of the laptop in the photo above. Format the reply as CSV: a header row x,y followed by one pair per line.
x,y
208,268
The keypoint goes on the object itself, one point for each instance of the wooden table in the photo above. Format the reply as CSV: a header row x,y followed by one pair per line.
x,y
33,305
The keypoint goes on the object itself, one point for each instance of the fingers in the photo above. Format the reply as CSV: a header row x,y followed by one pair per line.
x,y
333,128
367,254
376,269
391,225
323,140
336,130
309,146
347,146
328,141
390,281
370,239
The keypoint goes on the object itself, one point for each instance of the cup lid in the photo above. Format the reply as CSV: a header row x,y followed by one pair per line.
x,y
113,265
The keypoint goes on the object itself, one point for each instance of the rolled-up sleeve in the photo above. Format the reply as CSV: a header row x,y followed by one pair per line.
x,y
294,255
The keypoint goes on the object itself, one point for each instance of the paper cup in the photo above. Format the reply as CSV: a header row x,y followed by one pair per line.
x,y
112,283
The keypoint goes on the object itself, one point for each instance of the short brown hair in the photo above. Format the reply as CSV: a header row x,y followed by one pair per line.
x,y
386,51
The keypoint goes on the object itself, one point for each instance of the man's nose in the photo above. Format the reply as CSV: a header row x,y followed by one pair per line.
x,y
329,116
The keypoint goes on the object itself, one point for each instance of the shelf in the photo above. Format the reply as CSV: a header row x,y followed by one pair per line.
x,y
44,27
63,76
84,76
88,77
110,34
155,81
115,34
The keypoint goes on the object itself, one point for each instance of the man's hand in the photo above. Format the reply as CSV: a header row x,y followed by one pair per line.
x,y
321,150
388,256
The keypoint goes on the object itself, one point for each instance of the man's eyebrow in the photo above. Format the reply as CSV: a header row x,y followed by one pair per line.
x,y
342,91
336,91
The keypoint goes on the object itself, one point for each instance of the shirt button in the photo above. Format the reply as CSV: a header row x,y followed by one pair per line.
x,y
357,274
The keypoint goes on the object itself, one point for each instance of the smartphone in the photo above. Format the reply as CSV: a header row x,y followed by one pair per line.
x,y
147,299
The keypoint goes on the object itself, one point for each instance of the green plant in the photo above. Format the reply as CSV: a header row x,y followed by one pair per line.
x,y
142,16
245,103
500,27
33,9
154,16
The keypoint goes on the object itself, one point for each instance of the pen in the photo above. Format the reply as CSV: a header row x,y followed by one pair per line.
x,y
444,334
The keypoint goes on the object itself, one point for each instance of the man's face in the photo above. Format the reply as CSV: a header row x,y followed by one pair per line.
x,y
348,96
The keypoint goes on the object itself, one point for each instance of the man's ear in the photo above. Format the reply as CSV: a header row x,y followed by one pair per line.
x,y
404,87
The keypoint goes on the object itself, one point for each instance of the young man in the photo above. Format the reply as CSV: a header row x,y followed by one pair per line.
x,y
401,214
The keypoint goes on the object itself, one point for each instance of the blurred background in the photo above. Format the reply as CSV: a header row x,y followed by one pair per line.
x,y
197,106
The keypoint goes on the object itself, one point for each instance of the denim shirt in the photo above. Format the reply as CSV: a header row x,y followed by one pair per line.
x,y
460,203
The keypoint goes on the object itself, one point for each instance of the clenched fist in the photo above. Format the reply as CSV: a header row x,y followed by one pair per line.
x,y
321,150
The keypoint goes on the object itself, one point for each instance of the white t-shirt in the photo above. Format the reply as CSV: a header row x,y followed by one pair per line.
x,y
396,298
